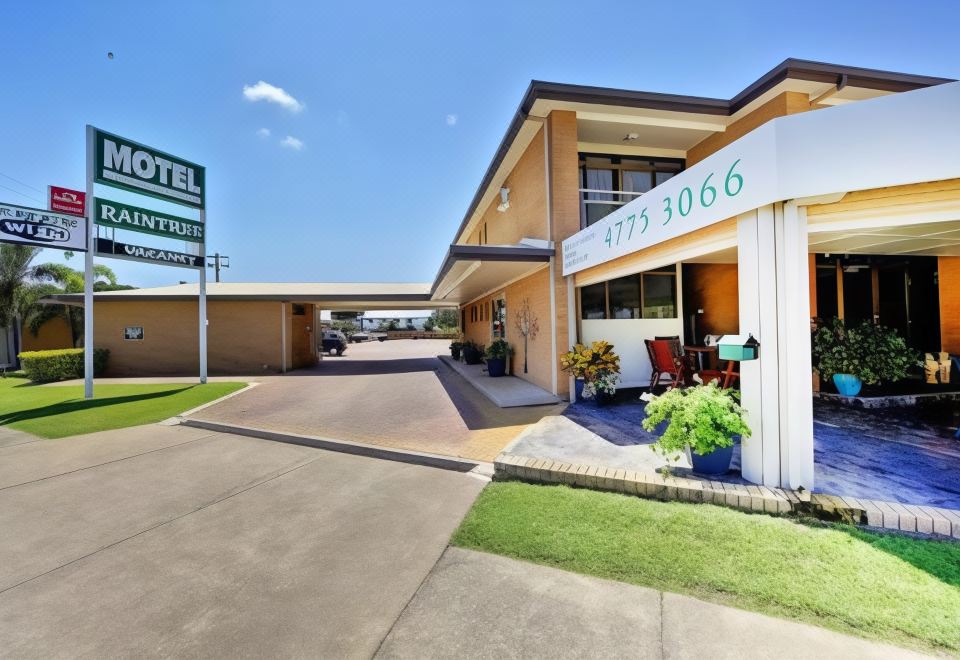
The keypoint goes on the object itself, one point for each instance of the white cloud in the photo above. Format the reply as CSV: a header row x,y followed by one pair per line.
x,y
452,120
263,133
264,91
291,142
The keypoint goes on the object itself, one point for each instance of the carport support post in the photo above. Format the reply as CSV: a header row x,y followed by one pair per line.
x,y
773,278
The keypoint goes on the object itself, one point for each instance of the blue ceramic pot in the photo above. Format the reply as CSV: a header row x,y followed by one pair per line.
x,y
496,367
847,384
716,462
578,389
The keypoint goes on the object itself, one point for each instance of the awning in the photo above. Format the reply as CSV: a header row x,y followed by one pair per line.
x,y
327,295
469,271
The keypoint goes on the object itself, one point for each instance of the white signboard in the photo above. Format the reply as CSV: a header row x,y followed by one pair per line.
x,y
49,229
893,140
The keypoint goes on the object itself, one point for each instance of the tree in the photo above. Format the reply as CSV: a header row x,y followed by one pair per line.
x,y
447,319
15,272
68,280
348,328
392,324
527,326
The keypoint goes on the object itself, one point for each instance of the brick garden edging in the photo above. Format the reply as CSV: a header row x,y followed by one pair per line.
x,y
886,515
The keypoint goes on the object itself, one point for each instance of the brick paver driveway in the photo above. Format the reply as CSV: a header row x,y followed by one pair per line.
x,y
393,394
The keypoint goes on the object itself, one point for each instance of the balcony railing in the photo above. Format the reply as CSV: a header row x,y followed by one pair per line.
x,y
597,204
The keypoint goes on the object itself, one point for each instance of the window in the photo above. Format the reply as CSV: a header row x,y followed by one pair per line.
x,y
649,295
659,295
298,310
593,301
625,177
499,325
624,297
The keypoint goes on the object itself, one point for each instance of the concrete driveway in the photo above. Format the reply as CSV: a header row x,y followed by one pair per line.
x,y
163,541
394,394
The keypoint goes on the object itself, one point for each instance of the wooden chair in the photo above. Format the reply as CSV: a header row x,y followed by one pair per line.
x,y
664,361
725,378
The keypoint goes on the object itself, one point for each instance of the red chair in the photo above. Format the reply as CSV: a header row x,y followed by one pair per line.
x,y
664,361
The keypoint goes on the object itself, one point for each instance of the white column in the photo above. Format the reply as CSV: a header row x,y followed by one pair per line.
x,y
796,363
775,308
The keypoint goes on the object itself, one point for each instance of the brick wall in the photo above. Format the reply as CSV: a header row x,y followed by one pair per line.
x,y
242,337
786,103
527,215
55,333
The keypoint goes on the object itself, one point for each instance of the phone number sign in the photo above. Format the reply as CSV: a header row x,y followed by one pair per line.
x,y
729,182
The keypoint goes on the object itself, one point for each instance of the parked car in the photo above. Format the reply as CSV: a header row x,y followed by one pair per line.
x,y
334,342
358,337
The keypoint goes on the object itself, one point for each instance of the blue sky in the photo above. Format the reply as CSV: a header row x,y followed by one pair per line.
x,y
393,110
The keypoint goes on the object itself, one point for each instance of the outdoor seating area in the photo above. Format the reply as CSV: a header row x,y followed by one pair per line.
x,y
684,365
881,455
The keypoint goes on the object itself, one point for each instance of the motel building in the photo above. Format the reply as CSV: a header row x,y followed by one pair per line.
x,y
817,191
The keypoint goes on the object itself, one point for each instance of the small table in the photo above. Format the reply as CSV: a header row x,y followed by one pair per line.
x,y
700,352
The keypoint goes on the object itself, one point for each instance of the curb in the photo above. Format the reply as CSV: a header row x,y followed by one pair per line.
x,y
178,419
348,447
887,516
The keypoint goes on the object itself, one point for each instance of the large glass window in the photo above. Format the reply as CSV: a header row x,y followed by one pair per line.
x,y
593,301
649,295
625,297
659,295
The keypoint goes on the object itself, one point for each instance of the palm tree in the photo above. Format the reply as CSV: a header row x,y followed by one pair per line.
x,y
63,279
15,270
23,285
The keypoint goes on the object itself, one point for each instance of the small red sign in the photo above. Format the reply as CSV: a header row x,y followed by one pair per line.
x,y
64,200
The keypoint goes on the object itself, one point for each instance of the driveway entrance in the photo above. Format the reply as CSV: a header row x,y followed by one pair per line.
x,y
393,394
162,541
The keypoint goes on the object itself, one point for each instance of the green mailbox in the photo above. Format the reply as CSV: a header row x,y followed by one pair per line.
x,y
738,347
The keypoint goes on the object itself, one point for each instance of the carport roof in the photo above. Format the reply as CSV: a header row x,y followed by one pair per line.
x,y
362,295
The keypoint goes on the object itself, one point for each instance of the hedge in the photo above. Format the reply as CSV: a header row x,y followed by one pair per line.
x,y
61,364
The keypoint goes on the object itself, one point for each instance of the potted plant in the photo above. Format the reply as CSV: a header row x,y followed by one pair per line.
x,y
472,352
455,347
867,353
597,367
497,354
703,421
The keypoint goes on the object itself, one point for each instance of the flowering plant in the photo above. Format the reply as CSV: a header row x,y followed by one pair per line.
x,y
592,362
603,384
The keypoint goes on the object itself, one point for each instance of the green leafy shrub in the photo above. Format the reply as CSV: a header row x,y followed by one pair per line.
x,y
62,364
873,353
499,348
704,418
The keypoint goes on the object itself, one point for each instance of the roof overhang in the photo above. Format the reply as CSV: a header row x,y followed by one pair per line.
x,y
470,271
679,121
333,296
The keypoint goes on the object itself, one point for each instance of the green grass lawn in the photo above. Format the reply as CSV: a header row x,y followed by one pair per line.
x,y
55,411
888,587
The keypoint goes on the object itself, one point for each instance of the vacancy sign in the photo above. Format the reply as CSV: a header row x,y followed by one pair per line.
x,y
66,200
27,226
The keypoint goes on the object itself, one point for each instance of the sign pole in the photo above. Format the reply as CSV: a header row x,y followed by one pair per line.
x,y
88,274
203,300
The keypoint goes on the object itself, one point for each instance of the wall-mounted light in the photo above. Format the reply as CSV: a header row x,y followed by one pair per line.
x,y
630,137
504,200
